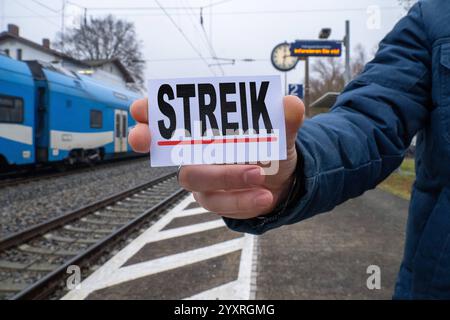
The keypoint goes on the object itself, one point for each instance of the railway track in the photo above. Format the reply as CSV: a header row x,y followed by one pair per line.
x,y
27,176
34,262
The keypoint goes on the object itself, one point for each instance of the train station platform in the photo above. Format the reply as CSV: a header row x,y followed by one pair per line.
x,y
190,254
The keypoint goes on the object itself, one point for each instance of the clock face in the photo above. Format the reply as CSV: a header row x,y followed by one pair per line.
x,y
282,59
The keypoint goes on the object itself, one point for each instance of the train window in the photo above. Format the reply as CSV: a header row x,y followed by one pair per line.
x,y
11,109
96,119
7,52
118,133
19,54
124,126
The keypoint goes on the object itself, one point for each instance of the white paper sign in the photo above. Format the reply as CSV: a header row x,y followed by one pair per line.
x,y
221,120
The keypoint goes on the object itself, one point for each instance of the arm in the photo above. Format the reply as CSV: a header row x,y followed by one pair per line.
x,y
363,139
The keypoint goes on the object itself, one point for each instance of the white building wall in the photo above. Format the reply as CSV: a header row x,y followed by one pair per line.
x,y
28,53
111,68
107,73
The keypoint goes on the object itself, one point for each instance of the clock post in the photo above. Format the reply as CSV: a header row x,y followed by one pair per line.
x,y
307,88
284,59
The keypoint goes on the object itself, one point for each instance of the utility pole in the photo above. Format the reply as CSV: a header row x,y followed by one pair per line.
x,y
63,21
348,75
307,87
211,22
286,89
2,15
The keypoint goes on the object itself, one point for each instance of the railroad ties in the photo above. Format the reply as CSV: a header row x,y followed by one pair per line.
x,y
187,254
34,262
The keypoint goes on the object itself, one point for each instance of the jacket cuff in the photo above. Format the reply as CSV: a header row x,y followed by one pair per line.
x,y
264,223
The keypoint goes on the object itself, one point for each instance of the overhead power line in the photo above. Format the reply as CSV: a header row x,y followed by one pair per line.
x,y
207,58
214,4
185,36
45,6
226,13
181,8
209,41
192,17
36,13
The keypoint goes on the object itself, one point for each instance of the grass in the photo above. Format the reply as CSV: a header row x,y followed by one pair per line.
x,y
400,182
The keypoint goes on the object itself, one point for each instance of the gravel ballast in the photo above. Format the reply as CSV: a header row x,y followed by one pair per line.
x,y
31,203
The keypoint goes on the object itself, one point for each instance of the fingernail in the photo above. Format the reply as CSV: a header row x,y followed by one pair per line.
x,y
254,177
263,200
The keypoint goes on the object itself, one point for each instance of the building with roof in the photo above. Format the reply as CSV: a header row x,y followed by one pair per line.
x,y
110,71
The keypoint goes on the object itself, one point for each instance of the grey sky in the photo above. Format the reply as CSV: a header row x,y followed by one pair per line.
x,y
240,28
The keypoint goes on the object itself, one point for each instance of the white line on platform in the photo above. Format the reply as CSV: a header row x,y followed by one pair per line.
x,y
254,272
241,289
179,232
245,269
112,272
114,264
106,279
147,268
192,212
227,291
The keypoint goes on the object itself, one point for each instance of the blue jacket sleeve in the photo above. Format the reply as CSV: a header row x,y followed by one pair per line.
x,y
363,139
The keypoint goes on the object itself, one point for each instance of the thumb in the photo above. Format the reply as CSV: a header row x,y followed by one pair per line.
x,y
294,113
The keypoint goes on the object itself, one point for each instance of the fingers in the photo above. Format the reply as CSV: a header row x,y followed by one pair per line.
x,y
237,204
294,111
139,138
216,177
139,110
293,107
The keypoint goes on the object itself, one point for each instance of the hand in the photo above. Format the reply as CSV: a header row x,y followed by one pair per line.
x,y
233,191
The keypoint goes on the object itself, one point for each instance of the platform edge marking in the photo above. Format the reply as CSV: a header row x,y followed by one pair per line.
x,y
226,291
192,212
172,262
183,231
254,276
113,264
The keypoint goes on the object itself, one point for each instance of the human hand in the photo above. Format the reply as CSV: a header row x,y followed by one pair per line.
x,y
233,191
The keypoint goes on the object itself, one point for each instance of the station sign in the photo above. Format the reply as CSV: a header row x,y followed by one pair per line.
x,y
316,48
296,90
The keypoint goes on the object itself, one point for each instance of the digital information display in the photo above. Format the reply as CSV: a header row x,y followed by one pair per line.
x,y
316,48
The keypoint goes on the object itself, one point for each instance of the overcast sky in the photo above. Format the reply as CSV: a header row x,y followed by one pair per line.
x,y
237,28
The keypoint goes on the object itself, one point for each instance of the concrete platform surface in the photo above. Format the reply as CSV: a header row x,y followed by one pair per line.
x,y
327,256
190,254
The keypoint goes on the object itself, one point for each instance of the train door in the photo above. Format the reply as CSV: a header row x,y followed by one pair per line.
x,y
120,131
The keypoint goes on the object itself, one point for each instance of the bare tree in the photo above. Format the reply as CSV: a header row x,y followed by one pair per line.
x,y
103,39
359,60
328,76
328,73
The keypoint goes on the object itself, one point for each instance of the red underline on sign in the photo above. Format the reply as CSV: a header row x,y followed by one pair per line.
x,y
216,141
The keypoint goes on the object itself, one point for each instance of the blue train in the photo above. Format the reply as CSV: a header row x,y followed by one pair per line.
x,y
49,115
